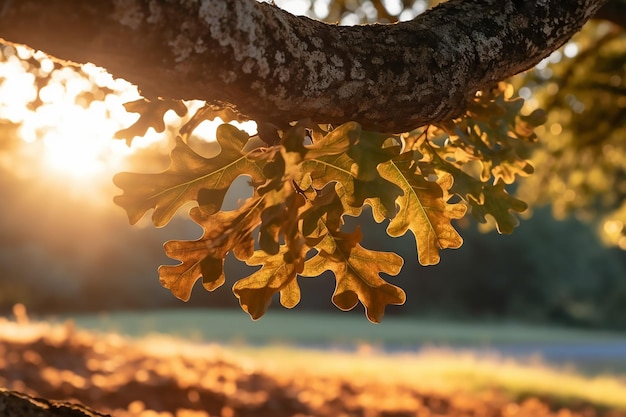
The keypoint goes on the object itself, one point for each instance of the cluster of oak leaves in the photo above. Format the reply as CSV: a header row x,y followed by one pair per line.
x,y
313,176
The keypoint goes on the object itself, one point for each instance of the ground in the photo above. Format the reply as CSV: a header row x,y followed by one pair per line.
x,y
169,378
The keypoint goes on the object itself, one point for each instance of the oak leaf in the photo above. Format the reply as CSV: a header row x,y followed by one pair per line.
x,y
356,271
190,177
489,199
223,231
277,275
151,114
482,197
338,168
423,209
335,142
210,112
371,150
323,213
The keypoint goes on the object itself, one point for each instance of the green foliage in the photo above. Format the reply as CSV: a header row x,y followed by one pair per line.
x,y
581,162
293,224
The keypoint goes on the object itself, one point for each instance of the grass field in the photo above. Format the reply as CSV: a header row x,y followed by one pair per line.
x,y
442,370
329,329
592,353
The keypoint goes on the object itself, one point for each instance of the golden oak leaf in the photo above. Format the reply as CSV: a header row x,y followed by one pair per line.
x,y
371,150
334,142
349,156
423,209
492,135
507,168
495,201
323,214
356,271
489,199
337,168
223,231
482,197
209,112
280,220
277,275
150,116
197,262
190,177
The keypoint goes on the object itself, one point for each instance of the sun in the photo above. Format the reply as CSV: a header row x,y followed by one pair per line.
x,y
79,143
67,125
75,122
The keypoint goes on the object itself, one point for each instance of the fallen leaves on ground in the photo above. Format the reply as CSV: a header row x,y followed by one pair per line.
x,y
165,377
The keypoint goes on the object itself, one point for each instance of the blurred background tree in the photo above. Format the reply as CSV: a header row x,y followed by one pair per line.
x,y
570,271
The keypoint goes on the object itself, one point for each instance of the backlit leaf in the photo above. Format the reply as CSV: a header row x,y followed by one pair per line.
x,y
356,271
277,275
323,214
338,168
280,221
337,141
150,116
209,112
223,232
494,135
423,210
489,199
371,150
186,178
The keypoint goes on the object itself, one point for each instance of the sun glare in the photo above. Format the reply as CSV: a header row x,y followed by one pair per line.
x,y
77,141
73,121
67,125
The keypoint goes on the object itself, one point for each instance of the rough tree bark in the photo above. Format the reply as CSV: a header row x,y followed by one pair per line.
x,y
275,67
14,404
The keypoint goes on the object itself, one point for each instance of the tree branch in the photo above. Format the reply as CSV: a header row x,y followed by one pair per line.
x,y
276,67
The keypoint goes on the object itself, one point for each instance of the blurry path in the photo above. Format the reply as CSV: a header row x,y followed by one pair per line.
x,y
561,352
587,357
